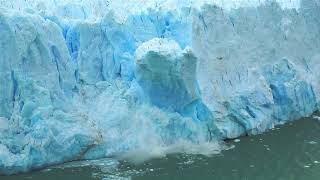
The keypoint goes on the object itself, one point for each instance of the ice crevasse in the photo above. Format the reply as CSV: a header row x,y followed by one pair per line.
x,y
87,80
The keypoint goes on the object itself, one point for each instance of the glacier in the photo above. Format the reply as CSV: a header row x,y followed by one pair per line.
x,y
92,79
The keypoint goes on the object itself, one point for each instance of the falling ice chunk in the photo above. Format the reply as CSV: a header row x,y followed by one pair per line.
x,y
316,117
312,142
4,123
237,140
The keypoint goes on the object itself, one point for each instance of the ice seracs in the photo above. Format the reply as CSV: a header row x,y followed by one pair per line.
x,y
167,74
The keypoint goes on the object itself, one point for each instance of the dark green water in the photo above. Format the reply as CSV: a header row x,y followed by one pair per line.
x,y
290,152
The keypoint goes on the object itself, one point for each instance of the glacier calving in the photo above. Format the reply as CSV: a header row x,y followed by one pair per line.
x,y
87,80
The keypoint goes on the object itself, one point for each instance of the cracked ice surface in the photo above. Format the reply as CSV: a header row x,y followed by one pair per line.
x,y
91,79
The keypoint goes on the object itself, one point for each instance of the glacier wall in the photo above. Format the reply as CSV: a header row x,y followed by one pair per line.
x,y
86,79
258,65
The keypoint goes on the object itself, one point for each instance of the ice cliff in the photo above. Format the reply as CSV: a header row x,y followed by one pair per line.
x,y
92,79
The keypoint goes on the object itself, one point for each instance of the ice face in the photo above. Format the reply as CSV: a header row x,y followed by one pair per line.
x,y
37,77
255,65
91,79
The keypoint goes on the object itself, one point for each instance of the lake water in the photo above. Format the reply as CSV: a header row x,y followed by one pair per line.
x,y
290,152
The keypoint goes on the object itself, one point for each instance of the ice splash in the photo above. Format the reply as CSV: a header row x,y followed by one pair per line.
x,y
139,156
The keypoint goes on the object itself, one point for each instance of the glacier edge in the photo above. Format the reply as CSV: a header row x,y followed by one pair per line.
x,y
74,88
